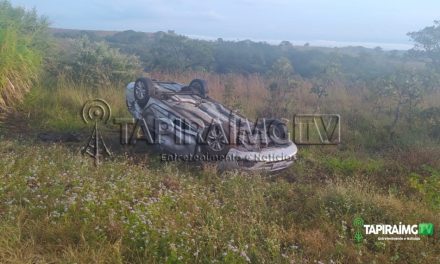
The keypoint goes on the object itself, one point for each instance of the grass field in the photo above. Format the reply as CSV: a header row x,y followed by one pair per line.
x,y
57,207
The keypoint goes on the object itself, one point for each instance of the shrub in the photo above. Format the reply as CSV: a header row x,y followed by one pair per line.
x,y
95,64
428,186
23,41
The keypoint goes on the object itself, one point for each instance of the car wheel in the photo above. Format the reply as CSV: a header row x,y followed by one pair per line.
x,y
143,88
199,87
278,132
216,142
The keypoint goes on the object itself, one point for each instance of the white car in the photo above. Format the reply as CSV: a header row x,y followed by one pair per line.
x,y
189,125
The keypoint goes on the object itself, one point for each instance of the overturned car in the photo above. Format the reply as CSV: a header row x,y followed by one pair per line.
x,y
187,124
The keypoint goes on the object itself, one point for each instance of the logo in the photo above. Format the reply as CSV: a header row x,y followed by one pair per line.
x,y
358,224
391,232
96,110
426,229
317,129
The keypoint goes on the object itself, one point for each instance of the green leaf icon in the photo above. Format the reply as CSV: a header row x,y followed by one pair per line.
x,y
358,237
358,222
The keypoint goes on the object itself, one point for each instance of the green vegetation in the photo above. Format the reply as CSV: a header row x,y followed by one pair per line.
x,y
22,43
95,64
392,93
57,108
57,207
428,186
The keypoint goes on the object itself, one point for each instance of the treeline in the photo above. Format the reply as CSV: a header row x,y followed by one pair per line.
x,y
169,51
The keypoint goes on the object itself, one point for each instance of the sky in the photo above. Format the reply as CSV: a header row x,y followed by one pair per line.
x,y
321,23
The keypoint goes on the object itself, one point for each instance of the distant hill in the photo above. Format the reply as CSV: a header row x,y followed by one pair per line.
x,y
169,51
64,32
106,34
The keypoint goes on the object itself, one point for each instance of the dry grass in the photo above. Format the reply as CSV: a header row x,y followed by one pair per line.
x,y
250,90
59,108
55,206
68,211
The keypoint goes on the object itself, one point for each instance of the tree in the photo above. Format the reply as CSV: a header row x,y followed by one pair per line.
x,y
281,87
320,91
431,117
172,52
95,64
401,92
427,42
321,84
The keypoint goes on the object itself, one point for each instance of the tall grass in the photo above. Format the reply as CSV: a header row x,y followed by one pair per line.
x,y
59,107
249,90
22,35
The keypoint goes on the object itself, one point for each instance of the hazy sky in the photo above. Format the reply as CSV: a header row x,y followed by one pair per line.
x,y
315,21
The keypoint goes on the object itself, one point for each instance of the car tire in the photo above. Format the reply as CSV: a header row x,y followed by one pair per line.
x,y
143,89
215,141
199,87
278,131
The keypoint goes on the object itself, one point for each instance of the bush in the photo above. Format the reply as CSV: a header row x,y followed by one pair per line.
x,y
23,40
96,64
428,186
